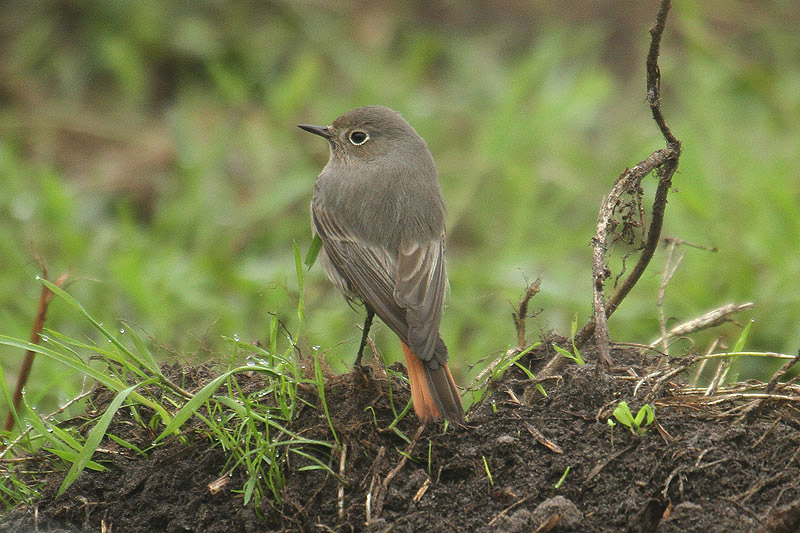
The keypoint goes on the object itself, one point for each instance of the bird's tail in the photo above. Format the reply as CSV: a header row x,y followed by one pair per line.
x,y
433,392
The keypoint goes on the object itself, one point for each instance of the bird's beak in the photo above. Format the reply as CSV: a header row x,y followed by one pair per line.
x,y
322,131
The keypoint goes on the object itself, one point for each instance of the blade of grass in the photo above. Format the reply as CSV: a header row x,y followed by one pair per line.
x,y
147,363
313,251
298,265
86,369
142,348
96,435
202,396
738,346
75,304
320,382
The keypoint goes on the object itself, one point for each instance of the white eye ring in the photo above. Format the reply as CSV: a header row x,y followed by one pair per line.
x,y
358,137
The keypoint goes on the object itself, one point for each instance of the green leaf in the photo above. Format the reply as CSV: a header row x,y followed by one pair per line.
x,y
563,477
66,297
738,346
70,457
505,364
623,414
9,401
574,331
142,348
640,416
298,265
199,398
320,382
126,444
313,251
95,436
84,368
563,352
576,357
651,414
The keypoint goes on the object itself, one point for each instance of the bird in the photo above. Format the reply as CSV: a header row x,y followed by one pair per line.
x,y
377,207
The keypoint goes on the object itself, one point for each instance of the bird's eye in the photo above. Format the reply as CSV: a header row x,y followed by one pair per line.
x,y
358,137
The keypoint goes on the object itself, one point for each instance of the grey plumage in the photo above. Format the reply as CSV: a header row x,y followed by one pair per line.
x,y
377,206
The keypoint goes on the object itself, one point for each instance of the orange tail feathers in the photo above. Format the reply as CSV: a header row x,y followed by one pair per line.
x,y
433,392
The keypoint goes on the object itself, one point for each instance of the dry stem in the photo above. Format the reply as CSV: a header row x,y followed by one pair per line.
x,y
664,162
38,324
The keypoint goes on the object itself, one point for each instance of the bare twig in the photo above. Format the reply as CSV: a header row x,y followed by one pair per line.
x,y
601,464
216,486
782,371
712,318
422,490
547,525
669,270
522,311
720,371
44,301
379,498
505,511
541,439
702,366
664,162
773,382
340,495
654,72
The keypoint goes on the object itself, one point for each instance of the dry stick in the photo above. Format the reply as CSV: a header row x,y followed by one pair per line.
x,y
669,271
708,319
379,499
782,371
519,322
551,522
702,366
666,159
340,495
665,162
522,311
38,324
773,382
505,511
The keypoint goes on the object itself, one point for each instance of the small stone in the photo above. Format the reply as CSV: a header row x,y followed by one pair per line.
x,y
505,439
568,513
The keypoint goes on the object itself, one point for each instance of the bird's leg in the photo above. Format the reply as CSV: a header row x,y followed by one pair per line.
x,y
364,334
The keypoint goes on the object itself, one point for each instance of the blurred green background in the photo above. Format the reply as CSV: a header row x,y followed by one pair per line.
x,y
150,150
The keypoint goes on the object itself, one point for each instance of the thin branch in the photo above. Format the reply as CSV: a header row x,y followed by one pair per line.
x,y
666,159
522,311
654,73
712,318
379,499
670,268
27,364
782,371
664,162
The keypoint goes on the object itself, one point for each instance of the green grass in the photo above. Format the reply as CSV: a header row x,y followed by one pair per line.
x,y
252,428
153,154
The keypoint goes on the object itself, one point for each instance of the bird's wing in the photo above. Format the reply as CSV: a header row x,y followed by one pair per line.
x,y
420,285
367,270
405,288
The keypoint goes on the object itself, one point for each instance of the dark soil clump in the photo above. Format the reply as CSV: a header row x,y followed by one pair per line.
x,y
523,462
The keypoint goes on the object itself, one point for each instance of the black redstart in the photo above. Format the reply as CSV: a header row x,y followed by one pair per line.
x,y
378,208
